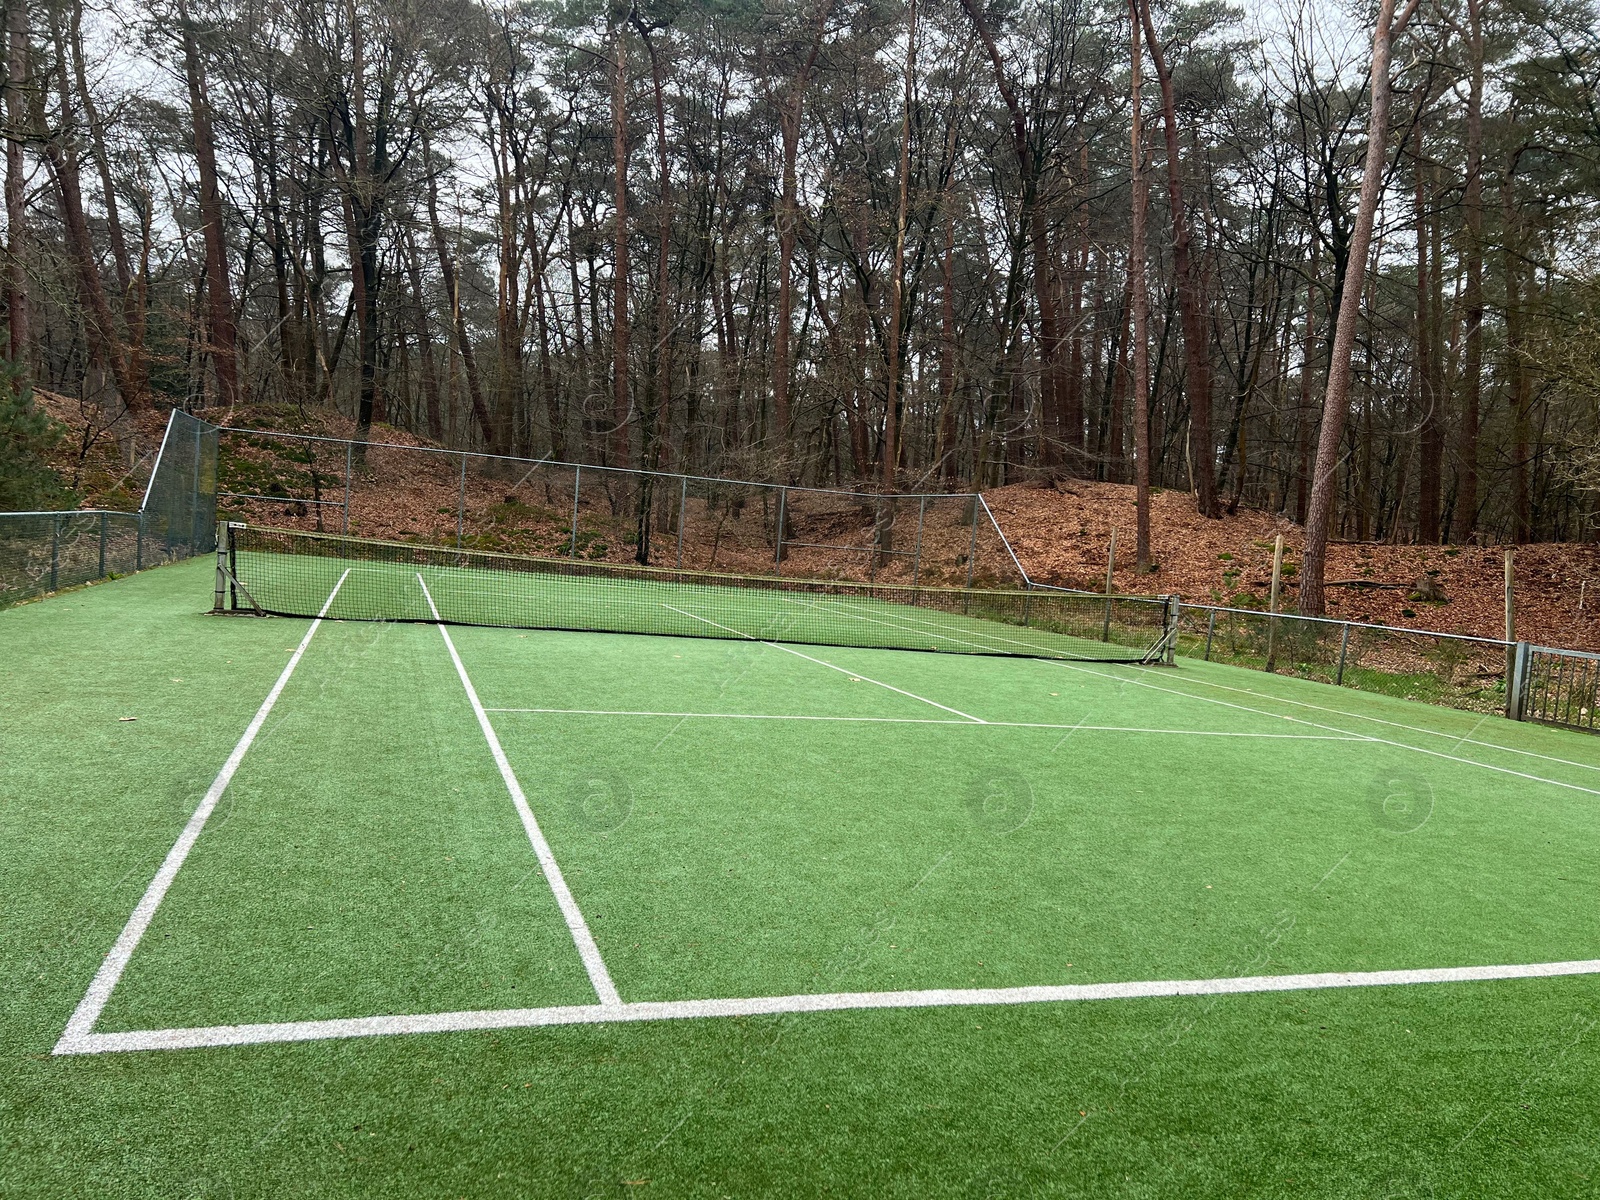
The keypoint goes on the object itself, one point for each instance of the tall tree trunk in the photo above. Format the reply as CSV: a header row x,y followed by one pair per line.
x,y
656,427
788,221
1466,503
1336,401
621,401
1033,234
452,293
430,373
130,285
220,333
106,345
1430,447
1118,369
1519,291
897,278
1139,301
1305,419
16,180
947,347
1191,292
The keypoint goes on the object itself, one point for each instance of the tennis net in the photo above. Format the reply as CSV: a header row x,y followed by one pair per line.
x,y
293,573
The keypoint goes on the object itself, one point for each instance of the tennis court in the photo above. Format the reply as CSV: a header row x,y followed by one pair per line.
x,y
1126,889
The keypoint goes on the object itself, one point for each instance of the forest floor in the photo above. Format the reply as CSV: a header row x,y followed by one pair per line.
x,y
1060,530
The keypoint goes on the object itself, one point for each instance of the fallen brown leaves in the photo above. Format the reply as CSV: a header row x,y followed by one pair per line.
x,y
1061,534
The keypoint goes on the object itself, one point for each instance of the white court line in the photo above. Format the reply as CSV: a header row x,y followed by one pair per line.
x,y
829,665
1229,733
81,1025
1471,762
1566,762
667,1010
1143,670
1378,741
581,937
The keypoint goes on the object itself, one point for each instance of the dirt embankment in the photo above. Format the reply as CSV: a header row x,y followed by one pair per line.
x,y
1061,533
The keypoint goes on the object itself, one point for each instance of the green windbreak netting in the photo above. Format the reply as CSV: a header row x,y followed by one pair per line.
x,y
42,552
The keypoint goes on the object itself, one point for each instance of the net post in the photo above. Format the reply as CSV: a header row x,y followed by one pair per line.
x,y
1344,647
1174,607
1211,628
224,538
916,558
55,549
349,466
103,520
777,541
461,503
572,534
683,513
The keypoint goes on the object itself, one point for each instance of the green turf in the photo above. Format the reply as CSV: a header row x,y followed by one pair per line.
x,y
280,575
367,860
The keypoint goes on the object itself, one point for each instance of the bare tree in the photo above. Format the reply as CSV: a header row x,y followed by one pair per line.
x,y
1336,401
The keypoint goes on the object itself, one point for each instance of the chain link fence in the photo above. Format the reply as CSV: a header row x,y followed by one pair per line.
x,y
1410,664
601,514
43,552
604,514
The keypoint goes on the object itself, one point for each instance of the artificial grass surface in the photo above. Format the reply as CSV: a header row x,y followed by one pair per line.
x,y
754,856
294,574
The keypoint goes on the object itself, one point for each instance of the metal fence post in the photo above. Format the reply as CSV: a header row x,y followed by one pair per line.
x,y
1111,567
349,466
916,558
1211,627
1344,646
138,544
683,514
55,550
461,504
572,539
777,541
972,550
1517,683
103,520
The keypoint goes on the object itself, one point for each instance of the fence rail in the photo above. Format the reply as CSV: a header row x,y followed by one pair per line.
x,y
550,509
1557,687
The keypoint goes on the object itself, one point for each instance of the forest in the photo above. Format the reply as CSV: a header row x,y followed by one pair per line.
x,y
1333,261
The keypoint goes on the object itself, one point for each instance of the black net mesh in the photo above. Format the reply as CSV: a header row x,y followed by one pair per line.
x,y
293,572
